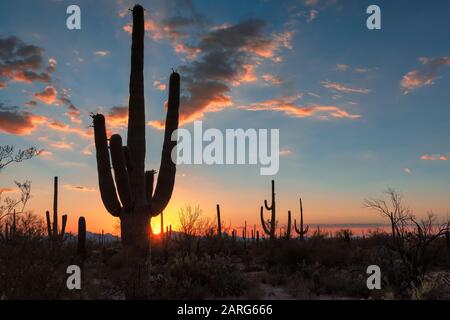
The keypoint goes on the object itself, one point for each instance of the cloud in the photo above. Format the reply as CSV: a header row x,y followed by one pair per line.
x,y
7,190
342,67
159,85
217,57
17,122
21,62
343,88
79,188
72,111
102,53
61,145
272,79
312,15
48,96
288,106
65,128
435,157
426,76
284,152
118,117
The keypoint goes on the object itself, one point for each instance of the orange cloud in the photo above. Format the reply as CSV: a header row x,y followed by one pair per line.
x,y
343,88
14,121
426,76
62,127
159,85
61,145
288,106
48,96
435,157
118,117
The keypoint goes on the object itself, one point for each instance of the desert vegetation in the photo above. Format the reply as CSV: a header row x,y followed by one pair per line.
x,y
204,258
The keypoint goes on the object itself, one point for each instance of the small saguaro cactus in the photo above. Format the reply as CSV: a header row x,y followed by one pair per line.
x,y
52,228
81,246
244,232
288,227
257,235
270,225
219,222
301,231
132,197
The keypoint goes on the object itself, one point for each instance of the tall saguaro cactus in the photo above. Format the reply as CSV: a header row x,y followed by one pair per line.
x,y
135,202
302,231
52,228
270,225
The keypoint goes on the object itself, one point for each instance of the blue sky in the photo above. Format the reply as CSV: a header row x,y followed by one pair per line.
x,y
387,89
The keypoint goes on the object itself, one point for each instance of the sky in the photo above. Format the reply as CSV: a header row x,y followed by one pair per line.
x,y
358,110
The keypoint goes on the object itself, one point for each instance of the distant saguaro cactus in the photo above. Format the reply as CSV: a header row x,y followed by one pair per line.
x,y
81,245
138,203
301,231
270,225
219,222
288,227
52,228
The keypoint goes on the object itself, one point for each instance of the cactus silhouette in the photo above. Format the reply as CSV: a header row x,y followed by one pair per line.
x,y
288,227
244,232
52,228
138,203
301,231
81,246
270,225
219,222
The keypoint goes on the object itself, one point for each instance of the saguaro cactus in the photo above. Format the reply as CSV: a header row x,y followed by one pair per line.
x,y
138,203
301,231
52,228
81,246
288,227
219,222
270,225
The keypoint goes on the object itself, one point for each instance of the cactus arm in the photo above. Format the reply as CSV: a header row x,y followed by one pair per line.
x,y
295,227
305,231
49,225
136,110
263,223
105,179
149,181
167,170
63,227
120,171
268,208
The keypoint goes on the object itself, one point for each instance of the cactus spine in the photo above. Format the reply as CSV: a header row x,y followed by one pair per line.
x,y
302,231
52,228
219,222
270,225
136,202
81,246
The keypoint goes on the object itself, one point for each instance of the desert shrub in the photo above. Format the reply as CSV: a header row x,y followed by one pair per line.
x,y
191,277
